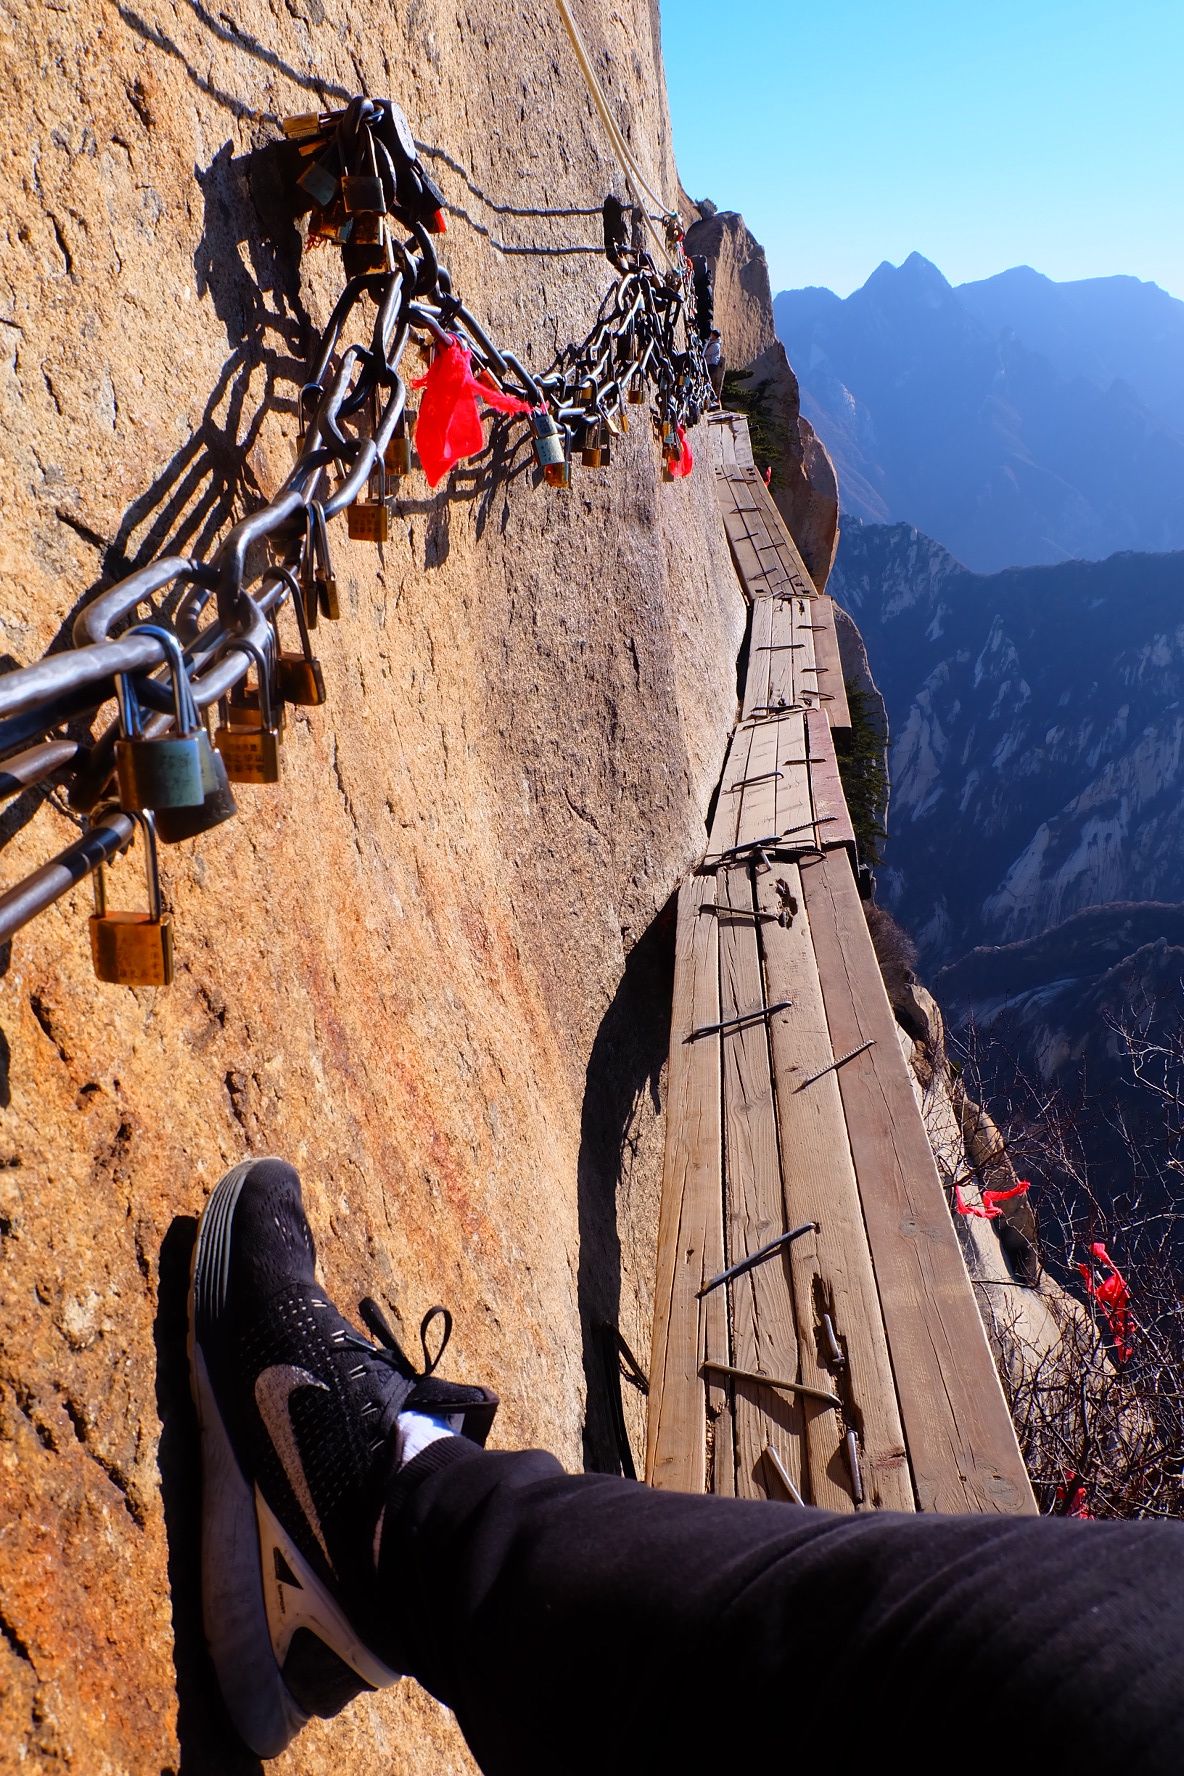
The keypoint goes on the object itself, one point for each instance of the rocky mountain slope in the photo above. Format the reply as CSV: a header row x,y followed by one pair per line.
x,y
1037,721
429,966
1016,420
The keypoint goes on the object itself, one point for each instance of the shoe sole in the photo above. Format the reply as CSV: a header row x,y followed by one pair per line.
x,y
250,1614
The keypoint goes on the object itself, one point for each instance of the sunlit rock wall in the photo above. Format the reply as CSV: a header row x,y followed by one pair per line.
x,y
428,967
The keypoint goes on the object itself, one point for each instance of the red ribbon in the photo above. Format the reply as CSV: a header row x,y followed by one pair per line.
x,y
449,425
1113,1297
989,1212
684,462
1075,1504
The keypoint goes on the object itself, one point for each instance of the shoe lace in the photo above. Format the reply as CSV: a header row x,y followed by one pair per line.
x,y
389,1349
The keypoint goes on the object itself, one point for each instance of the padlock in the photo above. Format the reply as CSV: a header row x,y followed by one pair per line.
x,y
298,677
250,746
163,772
636,393
133,949
369,520
558,474
398,451
548,440
175,824
590,452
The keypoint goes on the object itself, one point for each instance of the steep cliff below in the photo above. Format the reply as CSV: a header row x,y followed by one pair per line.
x,y
430,965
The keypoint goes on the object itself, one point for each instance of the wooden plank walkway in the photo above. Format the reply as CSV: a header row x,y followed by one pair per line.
x,y
851,1362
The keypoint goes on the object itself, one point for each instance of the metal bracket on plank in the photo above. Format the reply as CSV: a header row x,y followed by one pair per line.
x,y
774,1381
745,1017
833,1066
757,1257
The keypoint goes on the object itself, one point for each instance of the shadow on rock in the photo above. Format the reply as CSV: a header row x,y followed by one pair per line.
x,y
209,1744
627,1056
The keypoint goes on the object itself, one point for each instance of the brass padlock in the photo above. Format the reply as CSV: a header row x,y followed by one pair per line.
x,y
164,771
250,746
298,677
369,520
133,949
558,474
590,452
636,393
398,451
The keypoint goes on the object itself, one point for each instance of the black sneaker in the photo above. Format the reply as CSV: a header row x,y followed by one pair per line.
x,y
298,1441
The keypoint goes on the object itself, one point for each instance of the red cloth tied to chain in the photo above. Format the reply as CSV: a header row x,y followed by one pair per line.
x,y
684,462
1113,1298
989,1211
449,425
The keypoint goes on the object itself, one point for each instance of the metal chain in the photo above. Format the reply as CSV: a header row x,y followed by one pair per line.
x,y
358,177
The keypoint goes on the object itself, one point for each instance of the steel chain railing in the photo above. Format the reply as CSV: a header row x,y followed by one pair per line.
x,y
357,175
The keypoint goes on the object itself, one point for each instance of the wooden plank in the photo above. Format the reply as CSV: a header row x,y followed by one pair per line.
x,y
726,818
832,1268
756,683
826,787
690,1230
826,653
795,811
961,1444
764,1338
747,561
758,802
787,652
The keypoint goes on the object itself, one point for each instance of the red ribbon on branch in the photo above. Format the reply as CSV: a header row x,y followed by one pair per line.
x,y
1113,1297
1071,1504
989,1211
449,425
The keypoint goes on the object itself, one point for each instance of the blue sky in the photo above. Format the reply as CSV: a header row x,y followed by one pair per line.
x,y
983,135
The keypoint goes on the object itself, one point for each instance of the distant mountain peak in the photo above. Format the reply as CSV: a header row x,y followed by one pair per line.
x,y
1017,419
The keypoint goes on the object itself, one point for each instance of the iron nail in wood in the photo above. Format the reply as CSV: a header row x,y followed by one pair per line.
x,y
834,1065
774,1381
778,1467
758,917
834,1348
757,1257
853,1464
764,777
745,1017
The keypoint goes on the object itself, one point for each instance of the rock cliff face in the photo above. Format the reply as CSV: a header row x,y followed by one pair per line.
x,y
1036,734
804,484
430,966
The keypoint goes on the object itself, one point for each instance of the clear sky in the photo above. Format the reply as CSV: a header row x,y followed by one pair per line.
x,y
981,133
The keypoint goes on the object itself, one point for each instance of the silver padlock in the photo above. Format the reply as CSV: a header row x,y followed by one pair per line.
x,y
163,771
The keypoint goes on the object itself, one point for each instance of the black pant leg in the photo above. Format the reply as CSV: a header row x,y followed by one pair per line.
x,y
583,1623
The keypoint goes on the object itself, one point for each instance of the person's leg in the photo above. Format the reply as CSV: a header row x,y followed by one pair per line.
x,y
586,1623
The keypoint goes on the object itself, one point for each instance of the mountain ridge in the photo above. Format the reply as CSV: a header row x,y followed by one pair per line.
x,y
940,414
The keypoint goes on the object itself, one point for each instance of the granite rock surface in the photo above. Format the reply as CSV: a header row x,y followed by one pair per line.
x,y
431,966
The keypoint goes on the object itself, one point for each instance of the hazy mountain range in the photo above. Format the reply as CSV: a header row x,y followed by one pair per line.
x,y
1037,721
1018,420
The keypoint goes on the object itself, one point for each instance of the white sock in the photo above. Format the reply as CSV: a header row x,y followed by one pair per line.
x,y
418,1429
